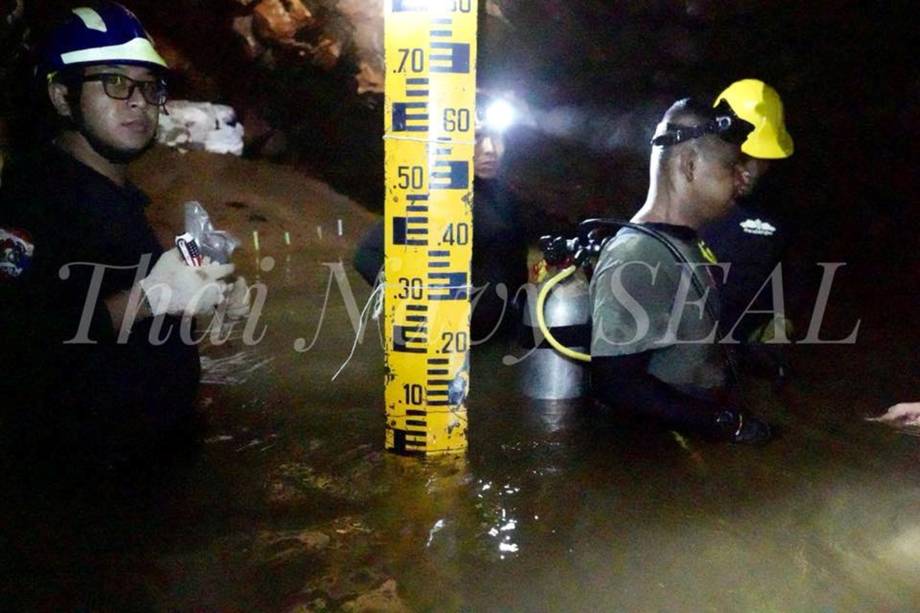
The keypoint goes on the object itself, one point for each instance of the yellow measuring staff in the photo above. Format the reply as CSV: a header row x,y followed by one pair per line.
x,y
430,137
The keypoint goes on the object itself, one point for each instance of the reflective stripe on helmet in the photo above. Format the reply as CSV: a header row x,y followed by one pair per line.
x,y
137,50
106,33
91,19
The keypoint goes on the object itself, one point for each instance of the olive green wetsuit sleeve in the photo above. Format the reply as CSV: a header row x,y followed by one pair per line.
x,y
632,294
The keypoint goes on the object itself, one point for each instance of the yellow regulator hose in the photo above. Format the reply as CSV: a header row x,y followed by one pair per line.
x,y
541,321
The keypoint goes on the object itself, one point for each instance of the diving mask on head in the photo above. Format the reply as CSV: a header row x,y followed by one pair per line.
x,y
724,124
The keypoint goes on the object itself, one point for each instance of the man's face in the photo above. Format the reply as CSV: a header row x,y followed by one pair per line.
x,y
749,171
126,127
717,179
490,147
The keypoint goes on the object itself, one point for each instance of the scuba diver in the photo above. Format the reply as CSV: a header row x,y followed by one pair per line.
x,y
499,266
654,297
753,237
69,213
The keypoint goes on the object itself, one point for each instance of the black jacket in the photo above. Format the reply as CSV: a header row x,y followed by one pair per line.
x,y
68,219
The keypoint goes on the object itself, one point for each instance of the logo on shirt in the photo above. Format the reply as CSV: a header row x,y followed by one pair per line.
x,y
16,251
756,226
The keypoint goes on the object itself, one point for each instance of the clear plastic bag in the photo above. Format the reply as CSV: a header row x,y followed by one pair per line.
x,y
215,244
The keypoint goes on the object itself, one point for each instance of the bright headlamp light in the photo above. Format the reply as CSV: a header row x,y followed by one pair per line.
x,y
499,116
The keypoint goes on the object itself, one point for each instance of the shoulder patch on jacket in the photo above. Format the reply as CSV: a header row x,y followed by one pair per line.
x,y
16,250
759,227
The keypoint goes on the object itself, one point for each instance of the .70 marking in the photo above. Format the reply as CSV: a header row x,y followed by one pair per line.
x,y
411,59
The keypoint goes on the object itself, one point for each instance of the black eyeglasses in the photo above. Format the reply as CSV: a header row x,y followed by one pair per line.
x,y
726,125
121,87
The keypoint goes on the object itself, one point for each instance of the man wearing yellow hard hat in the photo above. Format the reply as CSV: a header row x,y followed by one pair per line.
x,y
754,237
758,104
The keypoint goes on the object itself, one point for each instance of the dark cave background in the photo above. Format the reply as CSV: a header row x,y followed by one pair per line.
x,y
603,72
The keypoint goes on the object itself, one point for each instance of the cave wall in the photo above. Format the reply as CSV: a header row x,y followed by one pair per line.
x,y
306,78
302,74
13,50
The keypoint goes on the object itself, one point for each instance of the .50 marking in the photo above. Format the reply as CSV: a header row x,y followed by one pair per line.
x,y
410,177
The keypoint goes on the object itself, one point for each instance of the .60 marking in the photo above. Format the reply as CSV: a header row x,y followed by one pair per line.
x,y
457,120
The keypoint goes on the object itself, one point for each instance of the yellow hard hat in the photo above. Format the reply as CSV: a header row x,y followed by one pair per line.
x,y
757,103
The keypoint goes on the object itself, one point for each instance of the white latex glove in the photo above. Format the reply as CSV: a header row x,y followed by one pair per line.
x,y
237,303
176,288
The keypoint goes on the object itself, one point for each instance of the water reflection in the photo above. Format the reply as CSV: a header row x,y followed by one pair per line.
x,y
558,506
233,369
497,512
555,507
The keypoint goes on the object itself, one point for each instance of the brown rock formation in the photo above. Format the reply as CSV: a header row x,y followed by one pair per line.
x,y
281,21
11,49
384,599
252,46
366,17
321,33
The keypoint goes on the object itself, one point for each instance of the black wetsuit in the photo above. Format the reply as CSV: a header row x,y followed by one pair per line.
x,y
56,212
653,356
499,257
752,239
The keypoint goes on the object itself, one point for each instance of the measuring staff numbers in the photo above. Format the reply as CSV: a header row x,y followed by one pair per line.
x,y
434,6
430,91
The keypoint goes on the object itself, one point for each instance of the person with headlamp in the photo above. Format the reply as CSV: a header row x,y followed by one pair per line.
x,y
499,266
753,237
655,308
68,213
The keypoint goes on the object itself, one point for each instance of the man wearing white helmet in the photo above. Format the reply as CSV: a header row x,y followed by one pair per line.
x,y
80,251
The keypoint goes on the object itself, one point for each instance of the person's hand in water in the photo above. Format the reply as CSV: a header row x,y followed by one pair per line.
x,y
902,414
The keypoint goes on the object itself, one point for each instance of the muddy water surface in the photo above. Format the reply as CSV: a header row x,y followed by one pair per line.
x,y
293,505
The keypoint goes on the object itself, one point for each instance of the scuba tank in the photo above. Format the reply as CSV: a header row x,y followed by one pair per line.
x,y
564,305
562,308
